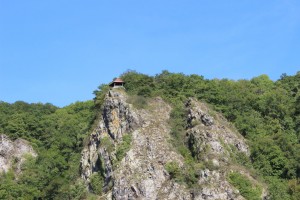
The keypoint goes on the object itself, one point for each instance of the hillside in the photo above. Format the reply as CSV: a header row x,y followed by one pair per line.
x,y
169,136
150,167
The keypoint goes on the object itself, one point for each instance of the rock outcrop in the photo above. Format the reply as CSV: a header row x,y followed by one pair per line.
x,y
206,132
13,153
117,119
212,141
141,173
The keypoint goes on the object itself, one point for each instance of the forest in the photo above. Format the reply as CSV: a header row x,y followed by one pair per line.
x,y
265,112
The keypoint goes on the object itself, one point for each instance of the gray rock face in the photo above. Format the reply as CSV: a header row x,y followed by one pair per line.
x,y
211,140
116,120
13,152
198,115
205,132
117,115
141,173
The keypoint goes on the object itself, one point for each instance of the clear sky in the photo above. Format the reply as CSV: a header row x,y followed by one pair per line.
x,y
59,51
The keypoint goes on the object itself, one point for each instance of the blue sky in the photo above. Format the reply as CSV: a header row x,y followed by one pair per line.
x,y
59,51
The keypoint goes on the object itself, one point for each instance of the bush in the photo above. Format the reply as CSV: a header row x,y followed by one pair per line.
x,y
278,189
244,185
100,94
123,147
178,124
173,169
186,175
107,144
78,190
145,91
96,183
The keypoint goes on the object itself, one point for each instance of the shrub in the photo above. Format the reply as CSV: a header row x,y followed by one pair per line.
x,y
247,189
107,144
78,190
96,183
178,124
145,91
173,169
186,175
279,189
123,147
100,94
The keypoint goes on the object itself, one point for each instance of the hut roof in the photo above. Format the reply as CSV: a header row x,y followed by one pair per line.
x,y
118,80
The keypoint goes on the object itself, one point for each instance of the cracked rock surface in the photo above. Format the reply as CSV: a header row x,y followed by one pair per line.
x,y
141,173
12,153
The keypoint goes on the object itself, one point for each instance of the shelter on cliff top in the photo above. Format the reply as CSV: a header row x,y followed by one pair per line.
x,y
117,83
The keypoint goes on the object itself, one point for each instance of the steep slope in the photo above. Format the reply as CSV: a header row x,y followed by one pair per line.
x,y
137,170
141,172
213,142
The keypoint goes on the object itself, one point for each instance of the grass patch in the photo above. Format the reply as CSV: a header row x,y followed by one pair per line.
x,y
210,165
139,102
107,144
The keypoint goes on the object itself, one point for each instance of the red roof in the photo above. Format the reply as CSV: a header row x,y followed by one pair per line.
x,y
118,80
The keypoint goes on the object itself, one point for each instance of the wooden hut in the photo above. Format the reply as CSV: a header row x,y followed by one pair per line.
x,y
117,83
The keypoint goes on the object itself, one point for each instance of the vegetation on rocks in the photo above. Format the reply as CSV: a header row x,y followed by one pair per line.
x,y
265,112
57,136
107,144
123,147
245,186
96,183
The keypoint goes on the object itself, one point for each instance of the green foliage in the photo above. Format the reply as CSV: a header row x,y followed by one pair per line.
x,y
123,147
268,157
265,112
278,188
97,183
294,189
188,173
145,91
139,102
178,124
247,189
100,95
107,144
138,84
57,135
184,175
210,165
238,156
173,169
78,190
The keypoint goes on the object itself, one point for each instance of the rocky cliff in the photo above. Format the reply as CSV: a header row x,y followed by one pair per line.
x,y
13,153
140,172
212,141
